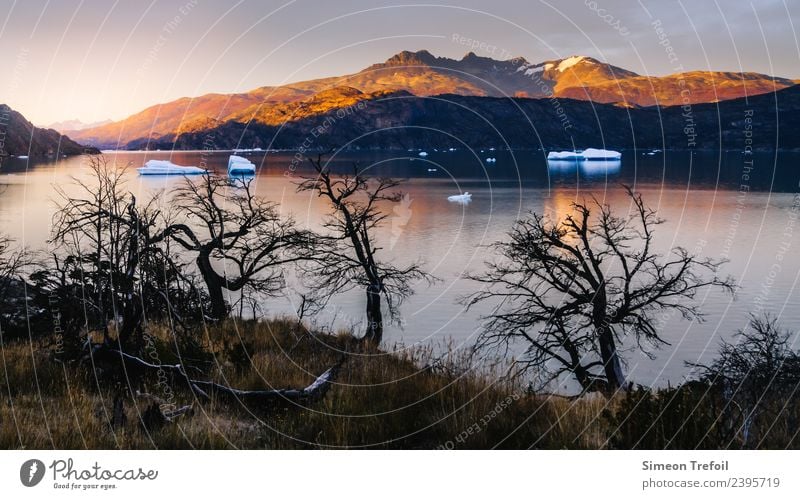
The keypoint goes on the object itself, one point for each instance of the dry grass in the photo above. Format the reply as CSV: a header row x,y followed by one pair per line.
x,y
406,399
399,400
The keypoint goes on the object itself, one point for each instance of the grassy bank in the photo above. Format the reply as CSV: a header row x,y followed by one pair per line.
x,y
405,399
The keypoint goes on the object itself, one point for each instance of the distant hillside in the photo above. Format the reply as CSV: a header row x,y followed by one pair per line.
x,y
401,121
422,74
76,124
18,137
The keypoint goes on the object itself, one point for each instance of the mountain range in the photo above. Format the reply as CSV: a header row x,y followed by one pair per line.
x,y
410,77
76,124
19,137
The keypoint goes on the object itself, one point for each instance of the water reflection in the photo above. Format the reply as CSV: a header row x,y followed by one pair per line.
x,y
697,195
598,168
587,168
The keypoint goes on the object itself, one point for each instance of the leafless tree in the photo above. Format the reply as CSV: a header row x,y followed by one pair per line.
x,y
577,290
112,253
240,241
12,265
751,374
352,261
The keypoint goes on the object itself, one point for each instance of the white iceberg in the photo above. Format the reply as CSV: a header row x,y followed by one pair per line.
x,y
564,155
491,160
601,155
460,198
423,153
164,167
22,157
589,154
238,165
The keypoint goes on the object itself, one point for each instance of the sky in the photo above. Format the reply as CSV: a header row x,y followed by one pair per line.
x,y
106,59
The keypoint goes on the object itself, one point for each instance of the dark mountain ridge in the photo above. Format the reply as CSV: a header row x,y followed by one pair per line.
x,y
18,137
403,121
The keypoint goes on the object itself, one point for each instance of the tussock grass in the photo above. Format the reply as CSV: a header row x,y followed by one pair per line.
x,y
407,399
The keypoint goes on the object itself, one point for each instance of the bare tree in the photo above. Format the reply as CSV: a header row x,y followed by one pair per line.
x,y
240,241
576,290
12,265
352,261
115,260
757,377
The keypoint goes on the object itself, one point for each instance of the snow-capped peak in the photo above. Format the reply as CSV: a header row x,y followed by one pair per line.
x,y
567,63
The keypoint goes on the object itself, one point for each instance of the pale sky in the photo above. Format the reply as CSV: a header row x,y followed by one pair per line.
x,y
100,59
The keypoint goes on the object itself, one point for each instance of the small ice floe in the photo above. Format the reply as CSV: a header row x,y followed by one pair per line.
x,y
460,198
423,153
238,165
601,155
589,154
163,167
491,160
22,157
452,149
564,155
433,169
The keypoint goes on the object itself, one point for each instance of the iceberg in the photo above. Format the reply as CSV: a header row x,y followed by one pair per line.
x,y
460,198
238,165
589,154
491,160
564,155
163,167
423,153
601,155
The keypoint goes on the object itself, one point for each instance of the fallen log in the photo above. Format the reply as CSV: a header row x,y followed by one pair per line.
x,y
313,392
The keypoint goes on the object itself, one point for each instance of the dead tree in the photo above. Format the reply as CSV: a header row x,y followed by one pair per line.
x,y
238,239
757,377
351,261
114,250
575,291
13,262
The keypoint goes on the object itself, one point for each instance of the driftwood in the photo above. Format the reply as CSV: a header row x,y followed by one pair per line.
x,y
102,353
312,392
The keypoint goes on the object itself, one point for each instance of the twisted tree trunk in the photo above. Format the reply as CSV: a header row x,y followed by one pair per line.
x,y
612,365
374,332
214,285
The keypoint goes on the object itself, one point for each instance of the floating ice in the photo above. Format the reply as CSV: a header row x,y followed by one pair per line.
x,y
589,154
564,155
423,153
601,154
238,165
164,167
460,198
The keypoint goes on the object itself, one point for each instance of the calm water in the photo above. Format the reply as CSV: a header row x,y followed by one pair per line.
x,y
699,195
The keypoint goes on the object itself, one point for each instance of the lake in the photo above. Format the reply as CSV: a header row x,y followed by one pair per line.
x,y
740,207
